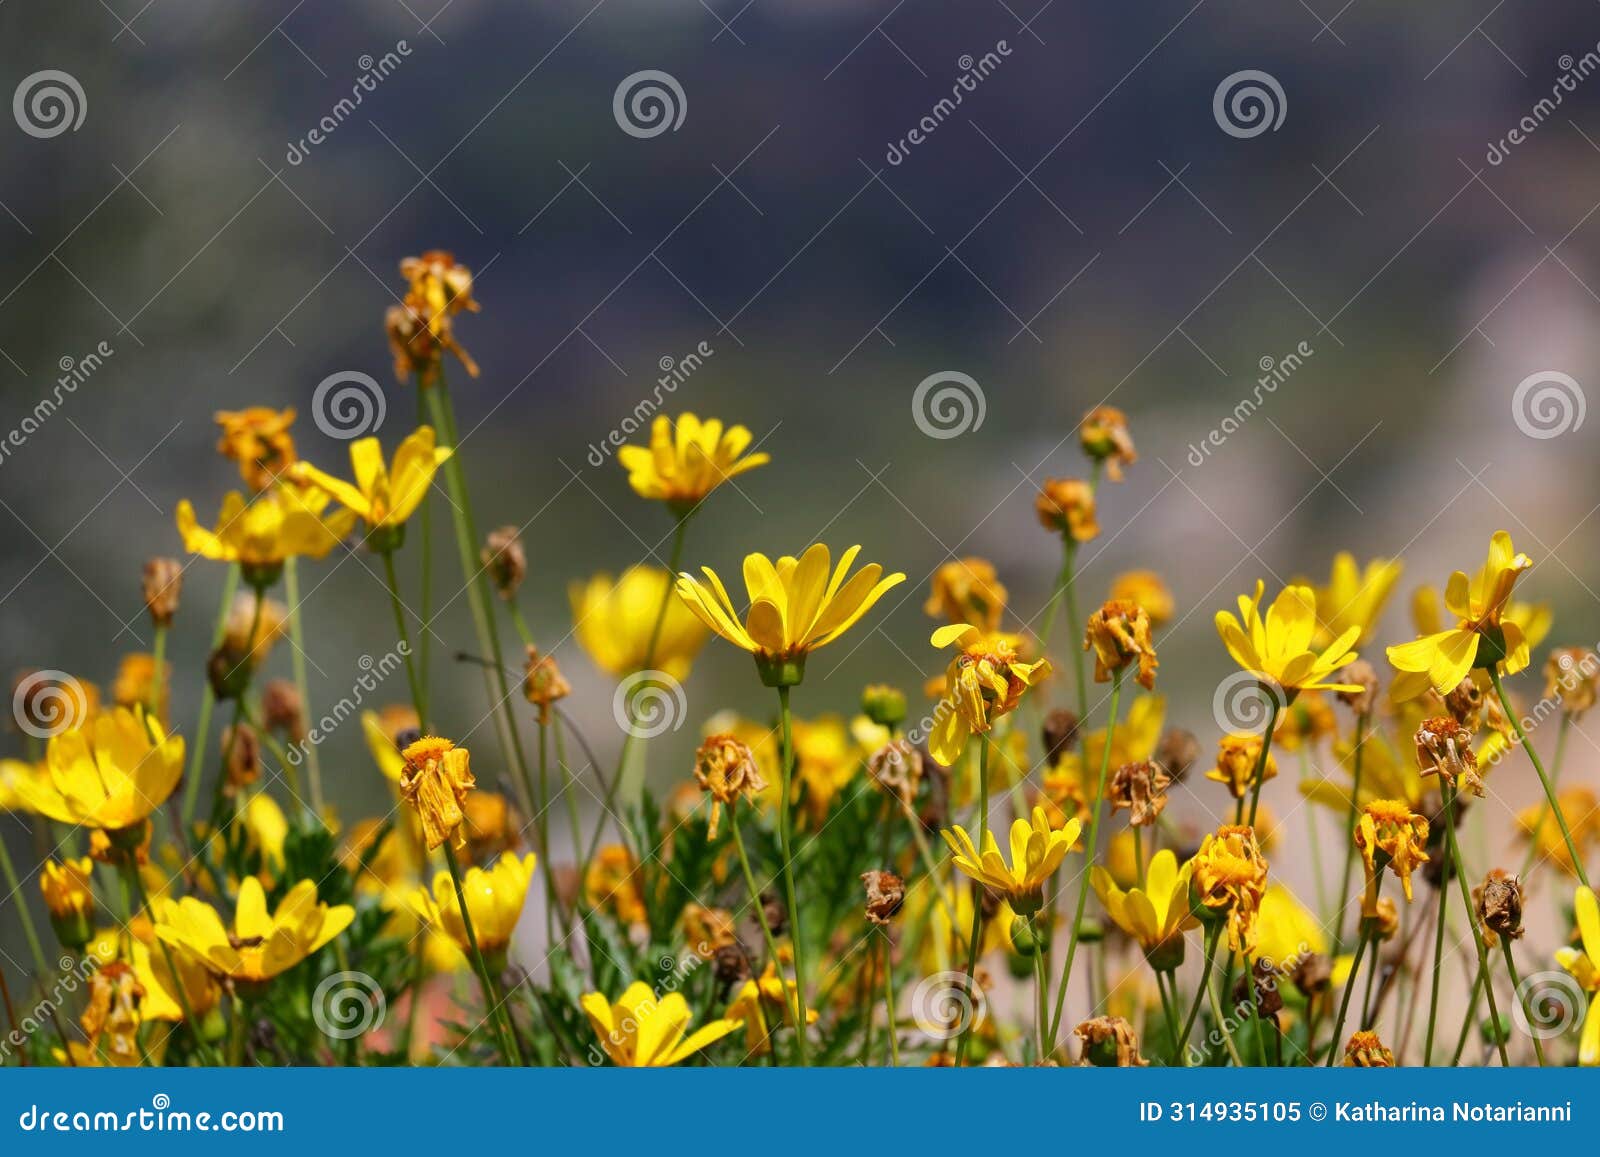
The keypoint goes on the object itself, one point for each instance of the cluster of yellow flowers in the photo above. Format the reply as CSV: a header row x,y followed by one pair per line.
x,y
790,917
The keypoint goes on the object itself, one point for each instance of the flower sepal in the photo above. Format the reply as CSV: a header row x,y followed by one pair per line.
x,y
260,576
781,671
386,539
1492,648
1166,956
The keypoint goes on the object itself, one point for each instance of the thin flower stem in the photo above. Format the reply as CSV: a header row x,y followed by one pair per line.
x,y
1167,984
1522,995
14,888
491,996
1222,1026
1362,940
291,590
1199,993
1041,988
1438,971
1089,853
1350,825
1549,788
976,934
553,906
424,517
1467,1021
1466,902
1544,810
751,887
566,790
786,778
135,883
417,699
208,701
158,681
888,997
1261,759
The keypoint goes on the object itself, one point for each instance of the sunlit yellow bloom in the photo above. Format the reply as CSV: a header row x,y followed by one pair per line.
x,y
1389,834
68,889
795,606
1365,1051
384,497
1537,824
1584,965
258,439
266,829
495,898
1149,590
967,590
260,945
12,772
764,1005
284,522
1155,915
135,683
610,884
435,781
1237,756
640,1031
1482,636
1119,634
984,682
1354,597
1036,852
613,621
1278,649
110,774
687,459
1286,930
161,1000
1229,880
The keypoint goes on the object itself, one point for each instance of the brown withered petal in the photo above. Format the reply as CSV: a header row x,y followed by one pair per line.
x,y
1179,752
1465,704
885,893
1109,1042
896,767
1360,672
162,584
435,781
505,560
241,751
1312,974
1142,789
1444,748
543,683
1499,901
1060,730
283,710
1366,1051
726,770
1268,999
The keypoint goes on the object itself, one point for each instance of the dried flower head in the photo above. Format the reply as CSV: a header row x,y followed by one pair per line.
x,y
283,710
885,893
162,583
543,684
1499,902
1366,1051
967,590
1385,923
111,1020
1360,674
896,767
1141,788
1059,732
422,327
490,827
708,930
1066,506
1229,881
1444,748
241,756
1267,999
1389,834
505,560
258,439
1149,590
1118,634
1237,756
1178,752
1572,675
1104,436
726,770
1312,974
435,781
1109,1042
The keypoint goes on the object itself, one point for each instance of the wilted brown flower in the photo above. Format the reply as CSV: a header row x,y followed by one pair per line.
x,y
1059,732
543,683
1465,704
258,439
726,770
1444,748
1118,634
1109,1042
1366,1051
885,893
283,710
708,931
1360,673
1066,506
162,583
1179,751
435,781
111,1019
1572,675
1312,974
1389,834
1237,756
1229,880
967,590
505,560
1268,1000
1105,438
1499,901
421,328
896,767
241,756
1142,789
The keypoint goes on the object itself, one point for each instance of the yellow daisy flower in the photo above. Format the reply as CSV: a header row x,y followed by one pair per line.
x,y
614,619
1584,964
1354,597
284,522
985,681
109,774
687,459
260,945
495,898
640,1031
384,497
1278,648
1036,852
1155,915
763,1005
795,606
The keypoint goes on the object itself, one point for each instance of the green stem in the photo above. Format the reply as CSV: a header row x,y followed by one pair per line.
x,y
1524,997
291,588
1335,1043
750,886
1544,811
1466,900
424,515
1199,995
1222,1027
1350,826
1041,988
491,996
888,995
158,681
208,700
786,775
975,936
1090,848
14,886
1472,1015
417,699
1549,792
1438,971
1266,751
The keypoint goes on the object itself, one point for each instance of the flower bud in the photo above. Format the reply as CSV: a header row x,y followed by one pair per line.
x,y
163,582
505,560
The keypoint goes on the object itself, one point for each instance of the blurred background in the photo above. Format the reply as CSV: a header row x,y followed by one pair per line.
x,y
1087,225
